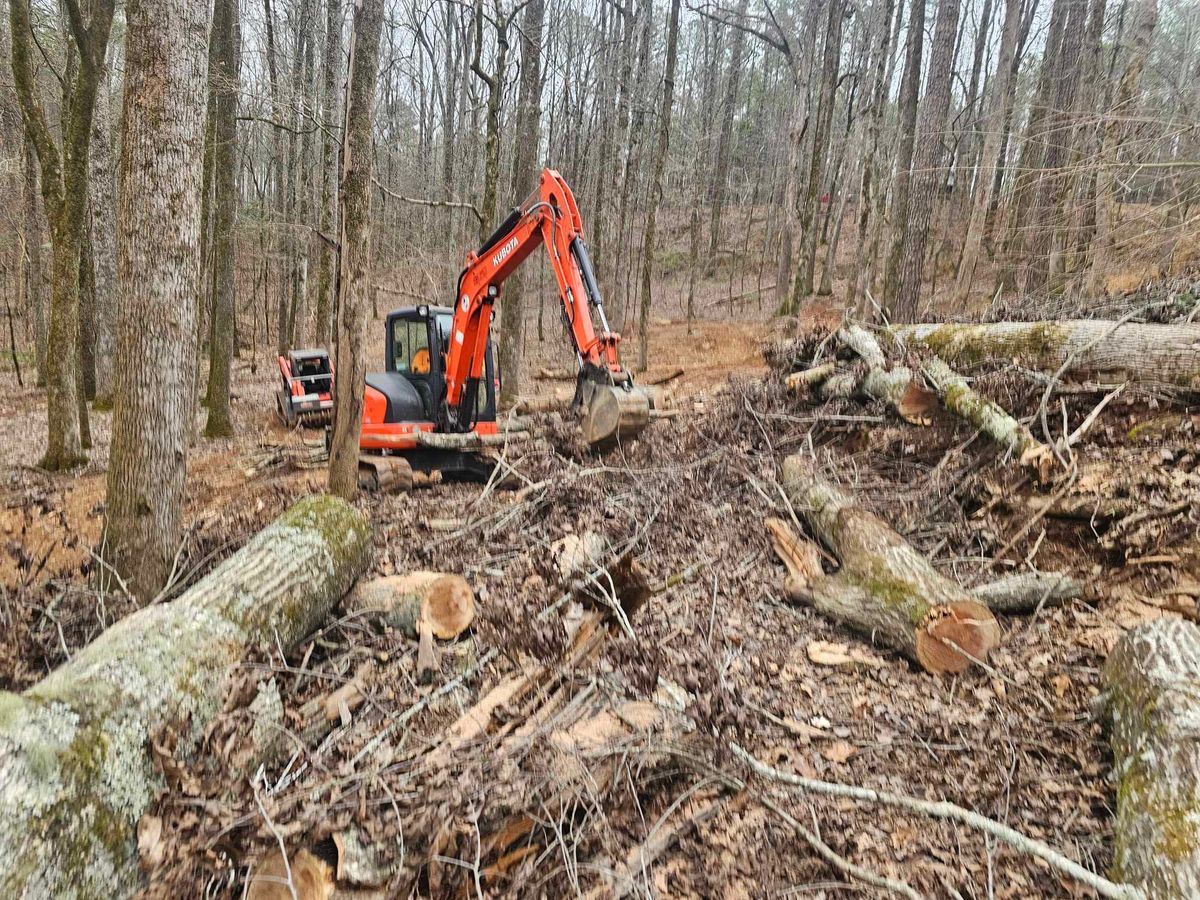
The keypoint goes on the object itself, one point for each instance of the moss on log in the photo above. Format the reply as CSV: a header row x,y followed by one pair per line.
x,y
1152,354
1152,687
990,418
76,772
885,588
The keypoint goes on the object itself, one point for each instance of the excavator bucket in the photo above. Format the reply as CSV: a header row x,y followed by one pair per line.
x,y
613,413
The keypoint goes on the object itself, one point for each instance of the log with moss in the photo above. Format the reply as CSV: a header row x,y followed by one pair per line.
x,y
1152,689
990,418
76,767
1151,354
885,588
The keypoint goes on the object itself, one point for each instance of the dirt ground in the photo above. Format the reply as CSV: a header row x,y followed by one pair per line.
x,y
716,642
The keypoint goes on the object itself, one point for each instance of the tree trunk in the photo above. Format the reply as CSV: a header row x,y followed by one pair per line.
x,y
928,171
64,176
993,124
1144,19
885,588
226,36
330,74
494,82
1150,354
910,87
660,161
354,281
1150,692
77,764
102,207
720,175
158,240
810,199
35,290
525,173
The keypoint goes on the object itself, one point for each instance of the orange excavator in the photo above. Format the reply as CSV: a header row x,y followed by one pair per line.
x,y
440,373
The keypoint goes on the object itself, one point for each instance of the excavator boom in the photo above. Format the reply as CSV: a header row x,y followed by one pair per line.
x,y
610,404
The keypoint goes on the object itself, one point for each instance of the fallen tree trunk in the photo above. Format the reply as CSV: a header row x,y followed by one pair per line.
x,y
1150,682
885,588
1152,354
76,768
990,418
895,386
470,440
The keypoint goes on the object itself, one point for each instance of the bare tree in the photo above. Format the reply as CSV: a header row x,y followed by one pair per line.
x,y
226,39
64,193
354,281
660,160
525,172
331,66
158,243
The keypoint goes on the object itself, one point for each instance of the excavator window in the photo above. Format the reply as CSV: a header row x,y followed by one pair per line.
x,y
410,347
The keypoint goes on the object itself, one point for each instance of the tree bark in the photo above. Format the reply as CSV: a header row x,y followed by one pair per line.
x,y
64,176
910,86
1144,17
77,767
885,588
1150,354
330,74
720,174
102,208
928,171
1150,682
354,282
660,161
999,101
35,290
226,36
158,241
1026,591
525,173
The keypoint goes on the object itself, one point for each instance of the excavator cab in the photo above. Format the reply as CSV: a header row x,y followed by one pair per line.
x,y
411,390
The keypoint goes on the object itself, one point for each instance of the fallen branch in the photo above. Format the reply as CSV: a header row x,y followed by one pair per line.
x,y
885,588
1027,591
73,748
990,418
953,812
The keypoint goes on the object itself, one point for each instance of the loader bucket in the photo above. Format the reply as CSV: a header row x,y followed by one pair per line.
x,y
613,413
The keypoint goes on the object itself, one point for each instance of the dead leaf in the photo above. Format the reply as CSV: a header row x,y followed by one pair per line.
x,y
825,653
149,842
839,751
1061,684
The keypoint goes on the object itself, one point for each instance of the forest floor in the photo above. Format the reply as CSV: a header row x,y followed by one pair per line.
x,y
717,644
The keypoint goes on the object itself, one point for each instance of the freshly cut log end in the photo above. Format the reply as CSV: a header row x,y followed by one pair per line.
x,y
449,607
446,602
956,636
1152,687
614,414
312,878
917,404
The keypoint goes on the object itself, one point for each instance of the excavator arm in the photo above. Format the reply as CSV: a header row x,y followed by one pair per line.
x,y
549,218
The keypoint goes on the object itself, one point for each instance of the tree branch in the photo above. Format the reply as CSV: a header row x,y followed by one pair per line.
x,y
418,201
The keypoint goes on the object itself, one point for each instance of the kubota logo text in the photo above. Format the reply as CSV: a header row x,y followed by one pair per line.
x,y
503,252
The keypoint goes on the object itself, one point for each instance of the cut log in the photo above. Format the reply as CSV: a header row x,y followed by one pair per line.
x,y
446,602
384,474
542,404
990,418
1027,591
470,440
613,414
885,588
1150,354
76,769
1151,683
806,380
